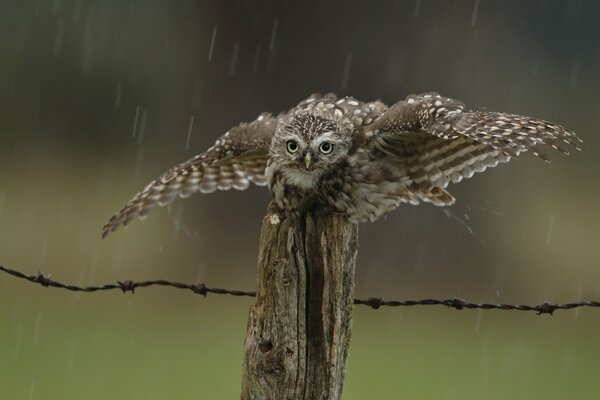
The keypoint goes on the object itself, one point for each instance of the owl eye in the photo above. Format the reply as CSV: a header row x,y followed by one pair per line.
x,y
292,146
325,147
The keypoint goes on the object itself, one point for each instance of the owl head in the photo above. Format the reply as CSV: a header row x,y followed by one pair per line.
x,y
308,143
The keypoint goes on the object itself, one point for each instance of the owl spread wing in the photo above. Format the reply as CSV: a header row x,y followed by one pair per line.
x,y
238,158
443,144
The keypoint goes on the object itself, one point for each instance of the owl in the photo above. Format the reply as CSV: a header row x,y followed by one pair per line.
x,y
354,158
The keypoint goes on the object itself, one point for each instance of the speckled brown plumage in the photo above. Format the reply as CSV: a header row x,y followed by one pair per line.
x,y
360,159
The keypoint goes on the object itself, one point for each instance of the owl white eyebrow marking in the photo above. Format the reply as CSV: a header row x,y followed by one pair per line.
x,y
325,136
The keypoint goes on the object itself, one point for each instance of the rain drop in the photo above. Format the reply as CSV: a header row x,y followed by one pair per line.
x,y
142,126
189,133
417,8
177,225
478,323
18,343
212,43
71,359
550,229
474,15
346,74
31,387
273,34
36,329
234,58
135,121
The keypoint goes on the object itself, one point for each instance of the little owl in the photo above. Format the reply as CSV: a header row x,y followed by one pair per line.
x,y
358,159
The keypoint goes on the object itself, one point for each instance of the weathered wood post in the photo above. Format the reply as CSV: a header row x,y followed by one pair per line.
x,y
299,328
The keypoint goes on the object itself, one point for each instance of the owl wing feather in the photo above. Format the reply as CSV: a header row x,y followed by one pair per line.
x,y
238,158
442,144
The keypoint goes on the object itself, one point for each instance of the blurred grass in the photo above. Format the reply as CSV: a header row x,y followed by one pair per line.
x,y
99,346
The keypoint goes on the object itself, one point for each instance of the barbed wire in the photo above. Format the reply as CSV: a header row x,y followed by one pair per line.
x,y
372,302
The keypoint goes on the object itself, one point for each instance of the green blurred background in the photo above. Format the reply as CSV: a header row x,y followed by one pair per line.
x,y
76,76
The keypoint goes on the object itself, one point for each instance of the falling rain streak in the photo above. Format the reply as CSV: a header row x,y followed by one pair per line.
x,y
346,74
456,218
31,387
478,322
417,8
212,43
474,15
135,121
36,329
550,230
273,34
234,58
142,126
71,359
139,123
189,133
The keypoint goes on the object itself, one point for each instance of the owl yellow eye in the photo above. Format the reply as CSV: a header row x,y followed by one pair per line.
x,y
325,147
292,146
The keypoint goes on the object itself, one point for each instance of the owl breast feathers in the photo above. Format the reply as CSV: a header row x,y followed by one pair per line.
x,y
359,159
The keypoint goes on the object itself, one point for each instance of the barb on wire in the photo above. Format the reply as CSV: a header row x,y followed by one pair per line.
x,y
125,286
372,302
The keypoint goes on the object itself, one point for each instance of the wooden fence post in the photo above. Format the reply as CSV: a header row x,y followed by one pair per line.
x,y
299,328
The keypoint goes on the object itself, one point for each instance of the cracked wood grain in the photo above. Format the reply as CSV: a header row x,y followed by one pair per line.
x,y
299,328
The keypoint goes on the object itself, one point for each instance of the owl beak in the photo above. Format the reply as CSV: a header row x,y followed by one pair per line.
x,y
307,159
